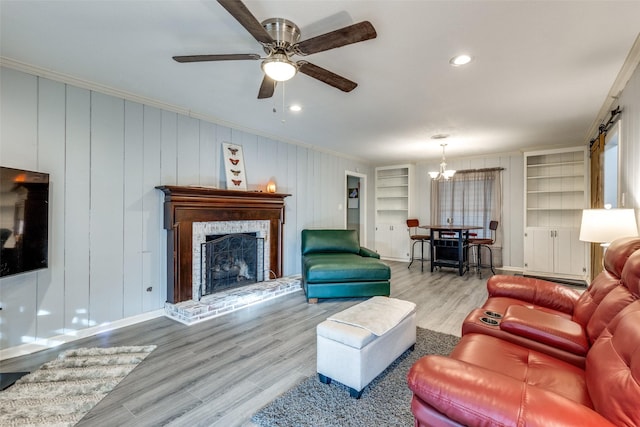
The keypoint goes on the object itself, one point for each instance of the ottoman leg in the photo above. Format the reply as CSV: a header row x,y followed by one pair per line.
x,y
324,379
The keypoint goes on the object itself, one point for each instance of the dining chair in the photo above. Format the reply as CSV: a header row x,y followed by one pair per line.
x,y
479,243
416,237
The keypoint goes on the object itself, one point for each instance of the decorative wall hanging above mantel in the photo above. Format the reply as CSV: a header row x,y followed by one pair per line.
x,y
234,166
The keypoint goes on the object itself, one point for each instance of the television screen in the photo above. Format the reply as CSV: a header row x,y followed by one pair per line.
x,y
24,220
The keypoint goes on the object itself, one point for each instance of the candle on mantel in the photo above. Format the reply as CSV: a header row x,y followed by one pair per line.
x,y
271,187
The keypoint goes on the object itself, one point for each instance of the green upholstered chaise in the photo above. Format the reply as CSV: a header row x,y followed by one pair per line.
x,y
334,265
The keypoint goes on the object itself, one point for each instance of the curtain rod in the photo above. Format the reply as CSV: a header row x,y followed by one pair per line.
x,y
479,170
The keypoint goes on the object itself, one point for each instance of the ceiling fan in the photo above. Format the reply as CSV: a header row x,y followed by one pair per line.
x,y
280,39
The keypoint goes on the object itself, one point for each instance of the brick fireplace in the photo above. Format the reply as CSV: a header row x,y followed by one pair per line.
x,y
188,207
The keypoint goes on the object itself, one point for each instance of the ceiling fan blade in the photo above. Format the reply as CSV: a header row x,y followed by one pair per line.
x,y
326,76
267,88
352,34
238,10
204,58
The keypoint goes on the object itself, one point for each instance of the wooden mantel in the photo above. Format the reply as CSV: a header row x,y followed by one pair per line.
x,y
184,205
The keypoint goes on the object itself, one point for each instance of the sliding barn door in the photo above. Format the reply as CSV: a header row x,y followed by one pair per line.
x,y
597,194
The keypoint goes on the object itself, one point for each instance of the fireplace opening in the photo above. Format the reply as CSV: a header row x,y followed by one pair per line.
x,y
231,260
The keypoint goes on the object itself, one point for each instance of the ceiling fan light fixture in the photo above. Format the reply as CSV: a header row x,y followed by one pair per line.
x,y
279,68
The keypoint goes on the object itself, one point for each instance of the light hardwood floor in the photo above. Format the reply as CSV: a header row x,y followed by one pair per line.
x,y
221,371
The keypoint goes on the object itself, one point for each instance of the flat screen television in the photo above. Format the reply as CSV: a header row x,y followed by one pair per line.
x,y
24,221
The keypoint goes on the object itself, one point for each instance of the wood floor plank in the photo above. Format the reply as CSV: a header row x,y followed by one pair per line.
x,y
221,371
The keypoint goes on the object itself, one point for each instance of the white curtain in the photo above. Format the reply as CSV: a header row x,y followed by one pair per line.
x,y
471,197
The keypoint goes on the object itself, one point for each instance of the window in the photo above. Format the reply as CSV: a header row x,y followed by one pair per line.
x,y
471,197
610,166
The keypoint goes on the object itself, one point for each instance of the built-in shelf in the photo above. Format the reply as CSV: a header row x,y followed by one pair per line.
x,y
554,209
554,191
547,164
393,204
555,195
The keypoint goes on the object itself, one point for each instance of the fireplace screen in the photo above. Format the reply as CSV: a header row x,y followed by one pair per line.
x,y
231,260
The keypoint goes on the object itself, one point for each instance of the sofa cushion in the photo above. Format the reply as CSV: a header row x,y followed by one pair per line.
x,y
615,259
613,368
618,252
612,304
532,293
341,241
555,331
600,287
528,366
449,392
343,267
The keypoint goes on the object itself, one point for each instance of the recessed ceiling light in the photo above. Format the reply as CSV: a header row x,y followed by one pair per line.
x,y
295,107
459,60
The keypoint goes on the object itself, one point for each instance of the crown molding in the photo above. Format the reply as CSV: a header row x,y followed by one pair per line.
x,y
627,70
129,96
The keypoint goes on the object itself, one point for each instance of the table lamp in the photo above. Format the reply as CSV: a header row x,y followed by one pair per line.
x,y
606,225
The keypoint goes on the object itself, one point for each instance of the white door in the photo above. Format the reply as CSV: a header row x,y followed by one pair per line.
x,y
383,240
569,252
539,250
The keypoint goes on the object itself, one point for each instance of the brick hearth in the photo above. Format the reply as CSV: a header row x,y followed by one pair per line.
x,y
220,303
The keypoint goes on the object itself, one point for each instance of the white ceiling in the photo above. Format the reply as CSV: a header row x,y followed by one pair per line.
x,y
541,69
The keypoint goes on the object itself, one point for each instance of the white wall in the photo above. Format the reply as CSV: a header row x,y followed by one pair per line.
x,y
629,143
105,155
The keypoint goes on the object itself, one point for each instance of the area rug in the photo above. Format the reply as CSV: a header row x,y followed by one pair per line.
x,y
384,402
62,391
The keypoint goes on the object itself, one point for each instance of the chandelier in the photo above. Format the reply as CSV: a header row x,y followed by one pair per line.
x,y
444,173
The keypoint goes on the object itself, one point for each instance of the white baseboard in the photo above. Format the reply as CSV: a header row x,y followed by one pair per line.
x,y
51,342
509,269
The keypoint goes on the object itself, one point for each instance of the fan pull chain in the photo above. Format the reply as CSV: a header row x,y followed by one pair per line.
x,y
283,119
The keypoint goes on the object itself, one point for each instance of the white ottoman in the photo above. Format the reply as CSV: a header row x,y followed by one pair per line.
x,y
357,344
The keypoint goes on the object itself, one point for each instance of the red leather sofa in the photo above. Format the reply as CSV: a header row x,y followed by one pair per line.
x,y
563,358
553,318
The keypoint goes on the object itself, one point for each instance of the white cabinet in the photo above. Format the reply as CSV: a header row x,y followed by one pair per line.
x,y
556,184
393,202
556,252
392,241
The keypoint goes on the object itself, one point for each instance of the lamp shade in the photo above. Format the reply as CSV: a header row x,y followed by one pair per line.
x,y
607,225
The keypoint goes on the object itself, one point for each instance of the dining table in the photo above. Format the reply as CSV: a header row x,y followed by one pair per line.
x,y
449,245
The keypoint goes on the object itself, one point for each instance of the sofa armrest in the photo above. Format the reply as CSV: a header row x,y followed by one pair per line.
x,y
536,291
368,253
547,328
471,395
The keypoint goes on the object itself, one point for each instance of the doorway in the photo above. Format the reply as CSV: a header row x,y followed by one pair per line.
x,y
355,217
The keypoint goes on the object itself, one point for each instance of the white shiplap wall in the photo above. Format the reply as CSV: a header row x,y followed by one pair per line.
x,y
629,101
105,155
